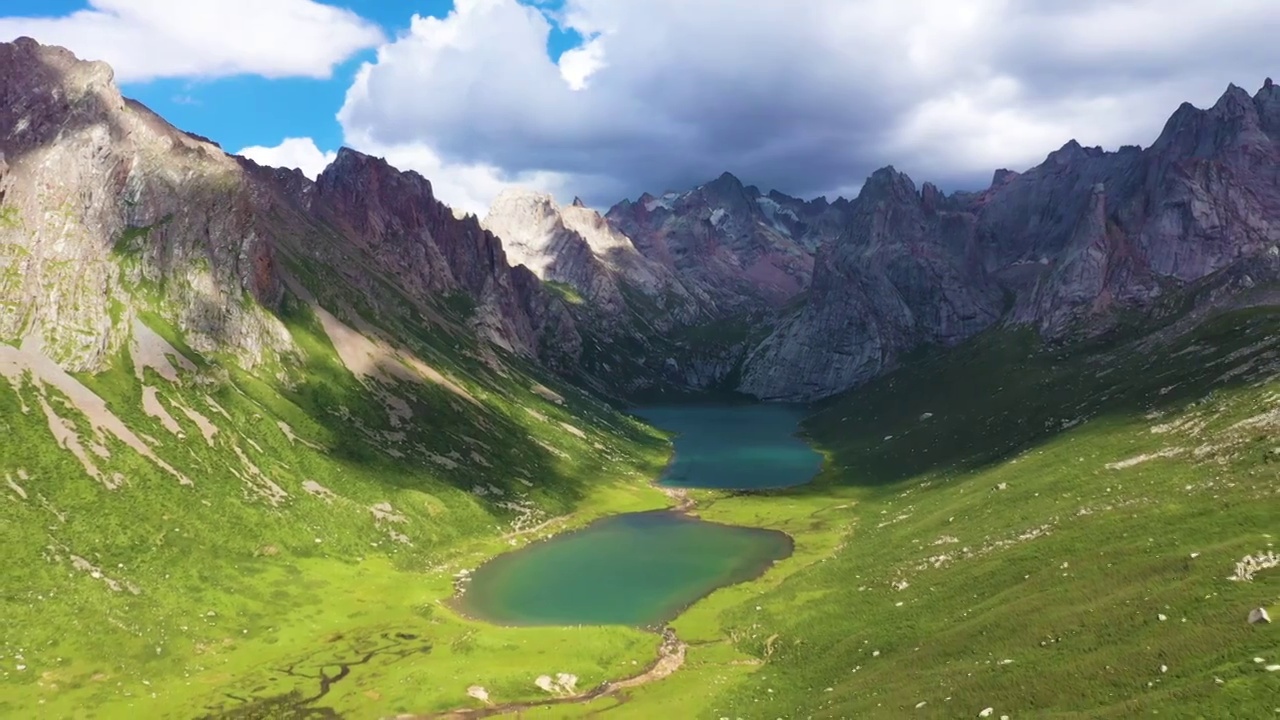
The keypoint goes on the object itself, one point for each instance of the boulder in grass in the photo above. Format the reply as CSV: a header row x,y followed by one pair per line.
x,y
478,693
1258,615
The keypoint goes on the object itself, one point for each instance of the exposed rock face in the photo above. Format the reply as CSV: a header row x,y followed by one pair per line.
x,y
741,248
906,272
1069,242
395,217
578,247
134,199
145,211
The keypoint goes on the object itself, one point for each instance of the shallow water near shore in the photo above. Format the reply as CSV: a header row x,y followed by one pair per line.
x,y
735,447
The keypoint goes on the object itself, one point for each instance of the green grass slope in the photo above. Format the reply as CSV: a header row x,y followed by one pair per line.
x,y
304,570
1043,533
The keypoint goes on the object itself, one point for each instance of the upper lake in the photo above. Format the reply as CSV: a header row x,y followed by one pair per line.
x,y
738,447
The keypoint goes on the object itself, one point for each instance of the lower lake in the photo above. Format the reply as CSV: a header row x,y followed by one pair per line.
x,y
638,569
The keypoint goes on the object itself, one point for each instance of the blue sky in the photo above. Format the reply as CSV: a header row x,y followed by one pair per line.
x,y
247,110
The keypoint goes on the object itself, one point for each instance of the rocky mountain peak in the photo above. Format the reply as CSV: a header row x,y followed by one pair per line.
x,y
888,183
39,83
127,182
1233,101
1237,120
523,204
577,247
727,181
930,196
577,202
1002,176
1071,151
351,168
1267,101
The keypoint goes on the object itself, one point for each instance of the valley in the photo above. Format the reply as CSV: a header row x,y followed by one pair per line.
x,y
275,446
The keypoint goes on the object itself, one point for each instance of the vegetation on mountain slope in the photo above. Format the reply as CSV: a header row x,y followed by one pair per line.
x,y
1043,532
324,521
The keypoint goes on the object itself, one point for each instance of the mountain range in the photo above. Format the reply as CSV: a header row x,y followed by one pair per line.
x,y
1071,248
819,296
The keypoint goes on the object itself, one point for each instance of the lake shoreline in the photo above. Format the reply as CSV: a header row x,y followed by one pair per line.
x,y
683,502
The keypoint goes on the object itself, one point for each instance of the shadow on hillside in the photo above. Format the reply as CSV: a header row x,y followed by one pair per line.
x,y
989,400
463,444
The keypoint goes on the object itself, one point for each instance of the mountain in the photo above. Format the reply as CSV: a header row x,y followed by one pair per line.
x,y
1070,248
670,293
575,246
127,185
744,249
905,272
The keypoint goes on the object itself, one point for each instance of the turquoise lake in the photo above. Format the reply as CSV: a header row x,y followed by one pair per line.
x,y
639,569
739,447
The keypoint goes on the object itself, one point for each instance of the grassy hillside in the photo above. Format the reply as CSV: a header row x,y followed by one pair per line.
x,y
287,548
1047,534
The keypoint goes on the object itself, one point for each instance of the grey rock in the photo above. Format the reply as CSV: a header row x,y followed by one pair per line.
x,y
1070,243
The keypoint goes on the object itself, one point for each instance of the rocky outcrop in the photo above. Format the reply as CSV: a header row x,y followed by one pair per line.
x,y
396,219
98,193
579,248
906,272
741,249
1069,243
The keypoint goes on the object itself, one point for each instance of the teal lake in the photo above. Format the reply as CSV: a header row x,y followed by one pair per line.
x,y
639,569
738,447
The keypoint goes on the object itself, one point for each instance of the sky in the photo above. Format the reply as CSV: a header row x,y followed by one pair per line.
x,y
606,99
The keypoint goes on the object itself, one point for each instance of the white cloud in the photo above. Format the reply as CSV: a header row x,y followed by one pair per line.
x,y
806,97
579,64
148,39
466,187
292,153
462,186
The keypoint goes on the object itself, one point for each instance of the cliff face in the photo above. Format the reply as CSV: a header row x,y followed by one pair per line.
x,y
1069,243
905,272
395,217
743,250
577,247
106,210
97,192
